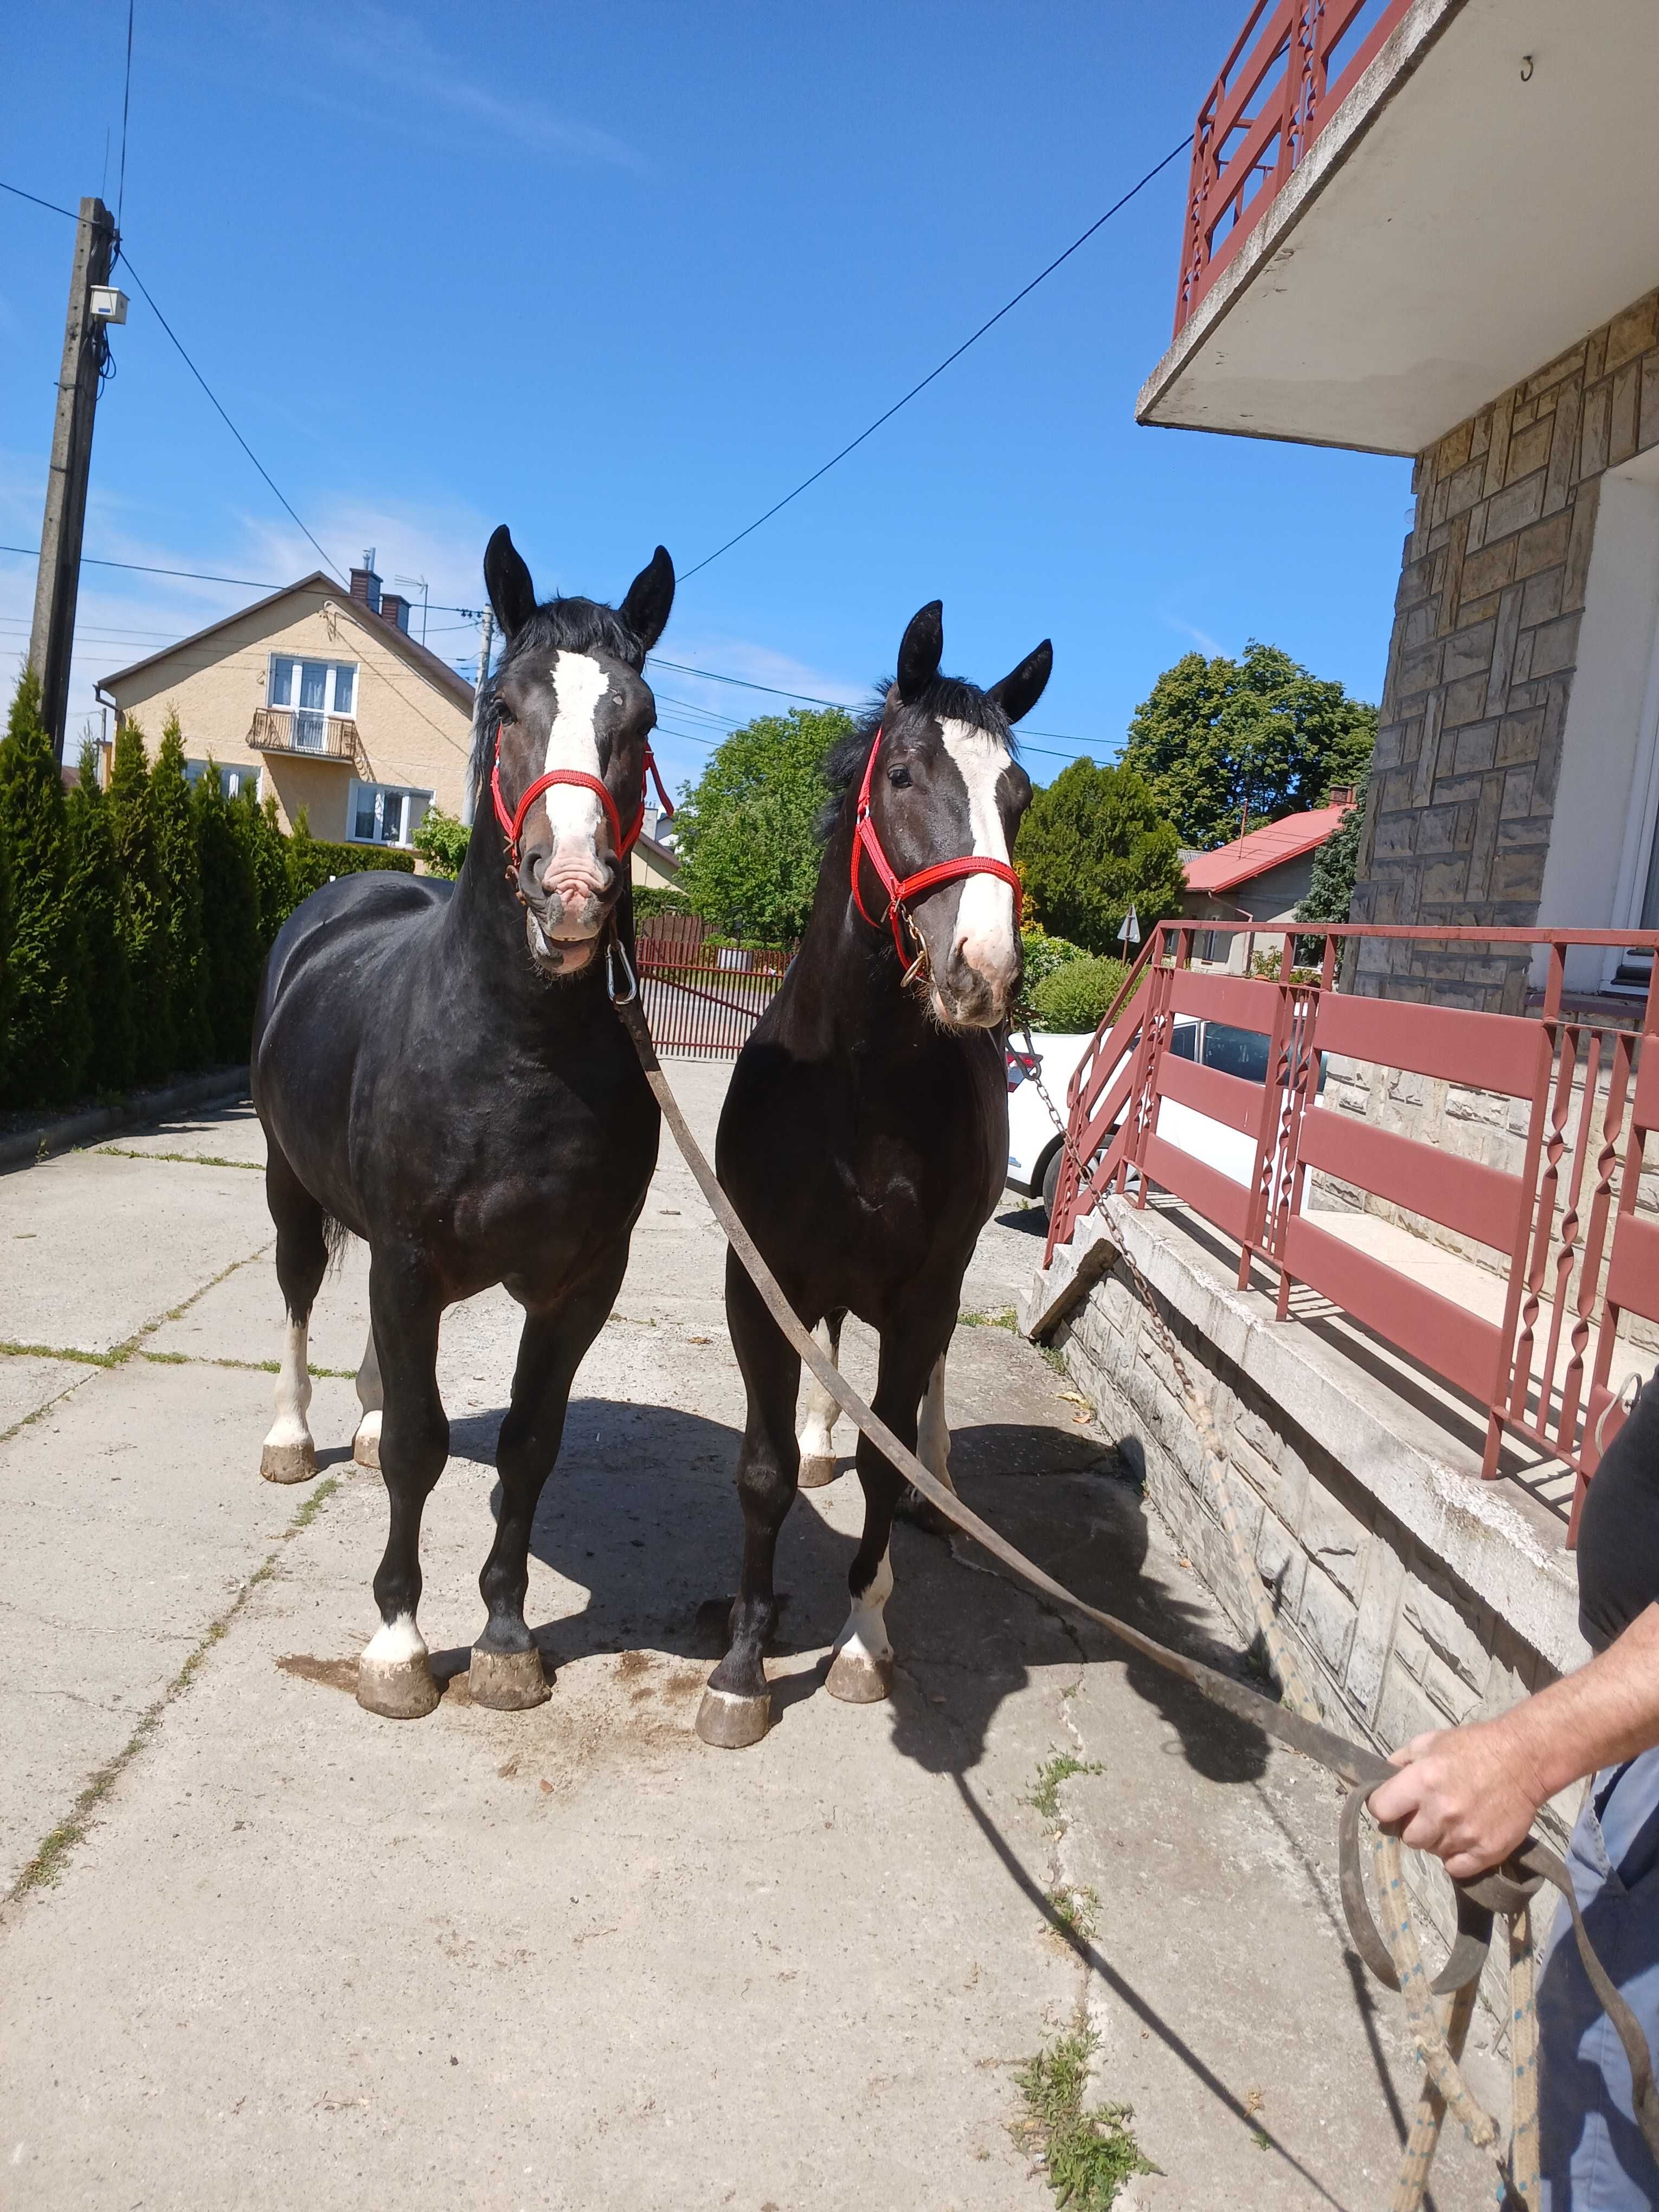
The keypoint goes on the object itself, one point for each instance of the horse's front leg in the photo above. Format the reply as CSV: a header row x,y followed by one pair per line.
x,y
506,1671
394,1676
737,1708
819,1411
861,1671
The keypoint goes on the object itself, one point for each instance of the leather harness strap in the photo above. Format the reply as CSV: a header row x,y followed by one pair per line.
x,y
901,889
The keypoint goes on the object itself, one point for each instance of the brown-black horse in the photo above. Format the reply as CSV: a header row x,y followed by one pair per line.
x,y
439,1069
865,1135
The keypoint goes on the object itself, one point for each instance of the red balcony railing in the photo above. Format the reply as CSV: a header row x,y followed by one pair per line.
x,y
1291,68
1569,1223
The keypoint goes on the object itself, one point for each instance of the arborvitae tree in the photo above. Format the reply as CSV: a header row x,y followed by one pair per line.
x,y
1330,888
306,868
145,913
267,855
43,1053
97,893
1094,843
7,920
230,911
178,869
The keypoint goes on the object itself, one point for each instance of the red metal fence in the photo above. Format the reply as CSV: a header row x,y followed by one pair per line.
x,y
1578,1253
1290,68
701,996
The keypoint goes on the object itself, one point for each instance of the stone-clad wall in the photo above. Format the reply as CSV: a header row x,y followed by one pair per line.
x,y
1480,664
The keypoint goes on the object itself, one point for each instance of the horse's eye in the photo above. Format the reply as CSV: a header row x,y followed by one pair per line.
x,y
505,714
899,778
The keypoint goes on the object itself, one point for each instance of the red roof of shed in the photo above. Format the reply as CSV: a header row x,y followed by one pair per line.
x,y
1270,847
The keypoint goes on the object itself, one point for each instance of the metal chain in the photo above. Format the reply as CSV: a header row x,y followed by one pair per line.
x,y
1294,1687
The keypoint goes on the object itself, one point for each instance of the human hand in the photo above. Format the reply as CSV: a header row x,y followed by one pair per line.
x,y
1468,1794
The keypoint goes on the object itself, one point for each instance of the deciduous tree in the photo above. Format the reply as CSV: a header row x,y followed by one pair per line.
x,y
747,833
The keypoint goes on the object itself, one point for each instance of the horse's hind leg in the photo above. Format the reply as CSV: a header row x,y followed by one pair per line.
x,y
933,1450
819,1410
861,1672
394,1675
371,1396
737,1709
506,1671
289,1455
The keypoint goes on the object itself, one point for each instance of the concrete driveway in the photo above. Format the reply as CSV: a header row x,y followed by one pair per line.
x,y
262,1949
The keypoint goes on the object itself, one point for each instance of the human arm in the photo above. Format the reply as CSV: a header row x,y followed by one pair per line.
x,y
1469,1794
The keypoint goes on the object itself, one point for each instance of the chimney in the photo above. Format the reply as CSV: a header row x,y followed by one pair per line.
x,y
1340,794
395,608
365,584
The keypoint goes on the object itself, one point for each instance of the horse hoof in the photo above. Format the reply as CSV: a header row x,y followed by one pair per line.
x,y
857,1680
816,1472
507,1682
731,1722
366,1445
397,1689
921,1513
288,1462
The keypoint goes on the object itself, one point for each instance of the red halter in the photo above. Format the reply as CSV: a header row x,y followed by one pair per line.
x,y
512,825
901,889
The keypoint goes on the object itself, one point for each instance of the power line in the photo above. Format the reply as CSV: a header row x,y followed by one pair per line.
x,y
126,102
1008,306
35,199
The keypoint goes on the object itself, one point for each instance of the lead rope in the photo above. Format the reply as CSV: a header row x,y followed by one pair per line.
x,y
1363,1769
1440,2042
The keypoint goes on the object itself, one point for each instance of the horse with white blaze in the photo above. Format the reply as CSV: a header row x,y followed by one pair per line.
x,y
439,1069
864,1136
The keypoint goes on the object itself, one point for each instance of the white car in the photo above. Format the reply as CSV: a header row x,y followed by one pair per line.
x,y
1034,1145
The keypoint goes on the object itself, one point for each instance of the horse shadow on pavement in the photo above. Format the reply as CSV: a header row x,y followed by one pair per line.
x,y
641,1516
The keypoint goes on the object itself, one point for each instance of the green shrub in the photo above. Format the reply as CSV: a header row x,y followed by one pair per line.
x,y
442,842
144,910
651,898
1073,997
43,1050
230,916
267,855
97,891
178,866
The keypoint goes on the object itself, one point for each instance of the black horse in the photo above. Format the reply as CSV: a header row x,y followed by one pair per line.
x,y
864,1136
439,1069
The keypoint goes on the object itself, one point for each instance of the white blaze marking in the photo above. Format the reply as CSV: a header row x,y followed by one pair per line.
x,y
933,1443
865,1633
394,1642
817,1428
293,1392
578,684
985,915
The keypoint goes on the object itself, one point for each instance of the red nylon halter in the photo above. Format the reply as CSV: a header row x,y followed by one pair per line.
x,y
901,889
512,823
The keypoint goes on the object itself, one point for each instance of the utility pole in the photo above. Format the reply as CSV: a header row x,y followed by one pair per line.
x,y
486,638
58,581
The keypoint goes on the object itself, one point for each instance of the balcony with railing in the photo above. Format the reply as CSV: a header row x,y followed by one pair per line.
x,y
306,733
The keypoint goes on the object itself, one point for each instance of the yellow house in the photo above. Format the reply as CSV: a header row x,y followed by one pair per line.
x,y
322,693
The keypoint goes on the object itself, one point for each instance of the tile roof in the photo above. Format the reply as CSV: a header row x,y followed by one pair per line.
x,y
1270,847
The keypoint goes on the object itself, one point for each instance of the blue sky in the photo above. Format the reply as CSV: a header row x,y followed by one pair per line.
x,y
618,276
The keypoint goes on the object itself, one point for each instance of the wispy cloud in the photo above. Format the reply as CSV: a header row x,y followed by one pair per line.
x,y
393,51
1200,638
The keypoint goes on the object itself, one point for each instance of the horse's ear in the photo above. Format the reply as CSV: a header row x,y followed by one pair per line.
x,y
512,594
1019,692
650,596
922,650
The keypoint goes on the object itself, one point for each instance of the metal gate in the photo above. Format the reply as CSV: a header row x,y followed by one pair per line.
x,y
702,994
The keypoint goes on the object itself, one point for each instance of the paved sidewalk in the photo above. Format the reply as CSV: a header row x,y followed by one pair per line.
x,y
279,1953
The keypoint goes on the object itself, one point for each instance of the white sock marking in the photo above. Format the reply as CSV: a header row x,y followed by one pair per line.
x,y
985,915
394,1642
819,1408
370,1396
293,1392
933,1440
865,1633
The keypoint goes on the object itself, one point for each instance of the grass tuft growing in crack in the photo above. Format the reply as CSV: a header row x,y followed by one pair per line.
x,y
1052,1771
187,1159
1088,2156
1006,1319
47,1864
1076,1912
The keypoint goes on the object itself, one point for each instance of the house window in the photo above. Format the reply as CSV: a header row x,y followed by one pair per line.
x,y
233,781
381,814
311,690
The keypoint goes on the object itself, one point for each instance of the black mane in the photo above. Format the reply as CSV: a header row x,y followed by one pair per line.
x,y
573,625
951,698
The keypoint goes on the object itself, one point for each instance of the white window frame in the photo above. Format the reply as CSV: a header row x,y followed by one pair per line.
x,y
195,769
412,805
341,674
